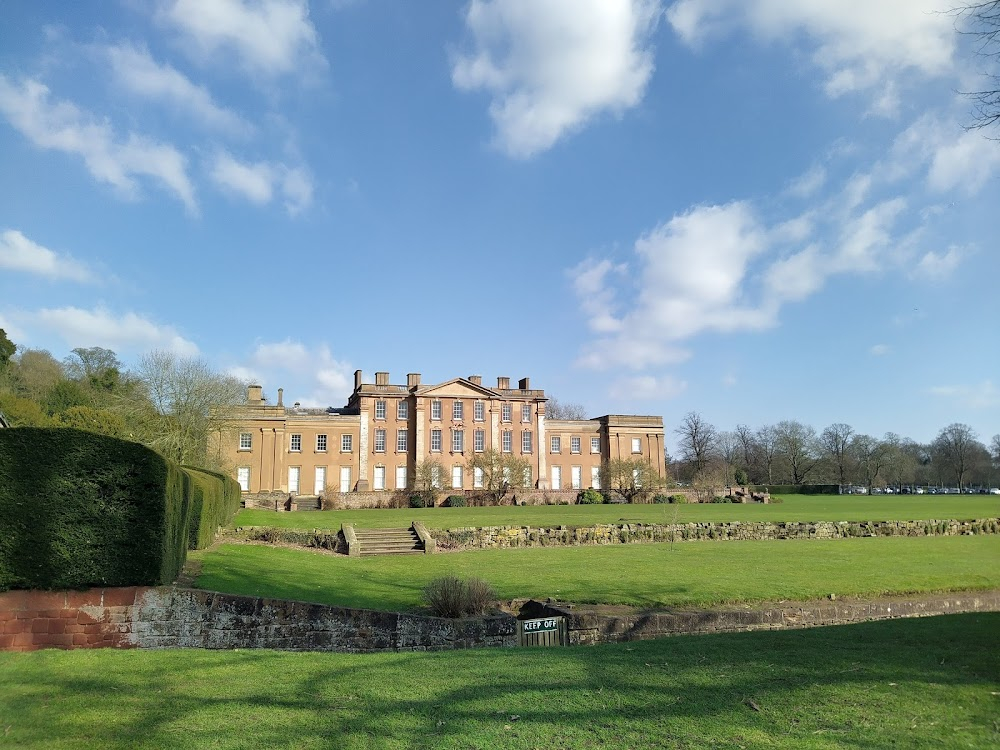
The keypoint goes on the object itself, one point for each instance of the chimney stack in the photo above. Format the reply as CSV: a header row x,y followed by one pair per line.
x,y
524,384
280,392
412,379
255,395
503,383
357,380
381,378
476,379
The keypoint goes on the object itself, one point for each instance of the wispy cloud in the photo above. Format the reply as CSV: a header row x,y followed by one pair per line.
x,y
100,327
983,395
550,66
879,350
61,126
330,377
258,182
18,253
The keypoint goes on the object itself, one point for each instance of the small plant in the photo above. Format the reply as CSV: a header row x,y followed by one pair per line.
x,y
590,497
450,596
455,501
660,498
417,501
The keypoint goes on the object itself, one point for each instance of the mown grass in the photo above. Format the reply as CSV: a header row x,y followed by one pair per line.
x,y
794,508
922,683
644,575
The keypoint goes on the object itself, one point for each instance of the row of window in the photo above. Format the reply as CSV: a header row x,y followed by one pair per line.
x,y
295,443
457,411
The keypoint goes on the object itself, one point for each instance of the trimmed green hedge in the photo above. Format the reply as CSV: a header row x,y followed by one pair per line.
x,y
215,498
799,489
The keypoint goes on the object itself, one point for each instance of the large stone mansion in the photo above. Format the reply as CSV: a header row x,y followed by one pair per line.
x,y
385,431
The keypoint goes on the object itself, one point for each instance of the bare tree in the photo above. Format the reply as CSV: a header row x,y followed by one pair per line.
x,y
728,447
796,446
871,455
955,449
430,479
981,22
835,441
745,437
633,480
556,409
697,440
766,449
500,473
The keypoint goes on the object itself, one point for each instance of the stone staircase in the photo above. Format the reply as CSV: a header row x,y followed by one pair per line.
x,y
389,542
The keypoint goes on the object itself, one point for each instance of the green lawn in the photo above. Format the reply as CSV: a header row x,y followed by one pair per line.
x,y
794,508
646,575
921,684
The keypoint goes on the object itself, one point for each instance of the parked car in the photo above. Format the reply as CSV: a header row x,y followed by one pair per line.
x,y
995,490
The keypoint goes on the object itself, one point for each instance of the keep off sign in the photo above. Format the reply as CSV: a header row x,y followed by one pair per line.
x,y
544,625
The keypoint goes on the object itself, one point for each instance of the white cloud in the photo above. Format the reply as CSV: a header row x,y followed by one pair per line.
x,y
859,44
139,73
18,253
966,163
984,395
647,387
258,181
808,184
879,350
330,378
552,65
273,37
61,126
99,327
937,266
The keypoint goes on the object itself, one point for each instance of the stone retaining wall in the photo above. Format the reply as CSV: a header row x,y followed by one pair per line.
x,y
492,537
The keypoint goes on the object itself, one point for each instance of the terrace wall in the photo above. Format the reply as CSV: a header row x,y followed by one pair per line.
x,y
494,537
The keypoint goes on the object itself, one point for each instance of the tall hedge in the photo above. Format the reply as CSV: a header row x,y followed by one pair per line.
x,y
79,509
799,489
215,498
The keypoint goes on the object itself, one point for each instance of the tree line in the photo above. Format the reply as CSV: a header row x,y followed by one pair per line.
x,y
166,402
790,452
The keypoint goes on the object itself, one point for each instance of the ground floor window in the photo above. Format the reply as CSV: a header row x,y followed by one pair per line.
x,y
379,479
243,477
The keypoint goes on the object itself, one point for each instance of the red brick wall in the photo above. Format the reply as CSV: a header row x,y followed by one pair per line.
x,y
96,618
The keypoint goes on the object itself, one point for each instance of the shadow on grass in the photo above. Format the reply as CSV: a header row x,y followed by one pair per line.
x,y
907,683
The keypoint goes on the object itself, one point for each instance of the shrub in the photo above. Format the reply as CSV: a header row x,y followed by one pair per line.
x,y
679,499
450,596
590,497
455,501
741,477
660,498
417,501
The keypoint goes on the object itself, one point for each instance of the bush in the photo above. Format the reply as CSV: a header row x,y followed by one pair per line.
x,y
741,477
417,501
79,509
455,501
590,497
450,596
679,499
660,498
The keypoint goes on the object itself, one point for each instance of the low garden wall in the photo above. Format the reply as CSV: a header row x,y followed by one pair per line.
x,y
493,537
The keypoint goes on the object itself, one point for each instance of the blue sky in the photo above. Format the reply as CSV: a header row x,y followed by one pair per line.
x,y
753,209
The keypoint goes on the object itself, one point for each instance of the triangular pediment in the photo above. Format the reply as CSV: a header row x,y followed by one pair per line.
x,y
457,388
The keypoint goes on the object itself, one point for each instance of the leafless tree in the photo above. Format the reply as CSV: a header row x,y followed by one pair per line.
x,y
871,455
747,445
501,473
728,446
796,446
634,480
766,449
697,440
835,441
556,409
955,449
981,22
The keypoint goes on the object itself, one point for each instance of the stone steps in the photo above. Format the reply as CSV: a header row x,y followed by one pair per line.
x,y
389,542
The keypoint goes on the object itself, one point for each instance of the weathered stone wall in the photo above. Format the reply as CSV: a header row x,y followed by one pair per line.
x,y
588,626
492,537
167,617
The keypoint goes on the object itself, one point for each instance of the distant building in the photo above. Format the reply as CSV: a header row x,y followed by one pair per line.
x,y
385,431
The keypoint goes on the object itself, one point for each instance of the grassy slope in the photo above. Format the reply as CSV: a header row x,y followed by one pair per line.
x,y
692,573
794,508
924,683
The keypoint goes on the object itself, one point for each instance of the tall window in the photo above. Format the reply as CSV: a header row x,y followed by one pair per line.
x,y
296,445
380,410
346,443
379,483
479,411
555,444
526,413
507,441
400,477
380,441
595,477
574,445
435,410
479,441
556,481
576,477
477,478
456,477
527,477
321,443
526,441
595,445
456,410
505,411
402,410
435,441
636,445
402,439
457,441
246,441
243,477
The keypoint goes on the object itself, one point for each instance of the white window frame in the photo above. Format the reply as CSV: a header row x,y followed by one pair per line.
x,y
379,440
294,471
319,480
402,410
526,476
526,441
456,477
477,477
457,411
575,444
595,477
595,445
507,441
246,441
321,442
556,480
526,412
402,440
636,482
637,445
458,441
346,443
400,477
380,409
378,478
435,441
436,410
576,477
555,444
295,443
478,411
506,413
436,477
345,478
479,441
243,477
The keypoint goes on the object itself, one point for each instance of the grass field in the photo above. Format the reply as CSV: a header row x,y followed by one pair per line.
x,y
794,508
645,575
920,684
